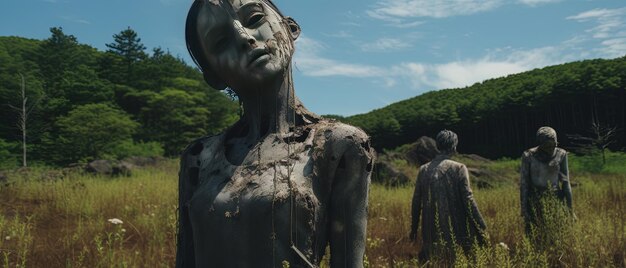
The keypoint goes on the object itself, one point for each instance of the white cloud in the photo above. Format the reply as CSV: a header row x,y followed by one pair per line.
x,y
609,30
533,3
424,77
614,47
597,14
308,60
385,44
75,20
340,34
394,10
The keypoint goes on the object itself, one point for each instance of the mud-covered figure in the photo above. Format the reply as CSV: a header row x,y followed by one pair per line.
x,y
444,201
281,184
544,176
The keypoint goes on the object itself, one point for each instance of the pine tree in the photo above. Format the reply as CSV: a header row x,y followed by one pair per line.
x,y
56,55
128,45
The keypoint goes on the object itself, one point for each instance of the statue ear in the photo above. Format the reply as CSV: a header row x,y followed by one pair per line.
x,y
294,28
213,81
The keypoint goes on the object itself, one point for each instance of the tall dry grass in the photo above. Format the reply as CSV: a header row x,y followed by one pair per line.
x,y
65,223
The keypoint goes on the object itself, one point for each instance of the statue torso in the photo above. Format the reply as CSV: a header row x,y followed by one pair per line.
x,y
256,210
544,173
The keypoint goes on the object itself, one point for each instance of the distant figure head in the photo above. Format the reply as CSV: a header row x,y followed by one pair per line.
x,y
447,141
546,139
240,44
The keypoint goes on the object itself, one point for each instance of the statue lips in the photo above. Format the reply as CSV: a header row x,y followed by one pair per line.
x,y
258,56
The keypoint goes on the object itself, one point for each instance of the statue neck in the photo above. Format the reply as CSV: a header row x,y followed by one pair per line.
x,y
269,109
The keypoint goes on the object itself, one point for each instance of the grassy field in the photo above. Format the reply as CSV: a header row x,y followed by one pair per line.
x,y
72,222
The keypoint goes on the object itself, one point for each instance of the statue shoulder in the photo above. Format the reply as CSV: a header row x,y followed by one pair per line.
x,y
198,145
452,166
561,153
530,152
335,141
337,132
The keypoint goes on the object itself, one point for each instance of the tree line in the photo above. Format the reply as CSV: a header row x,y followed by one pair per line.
x,y
499,117
80,104
84,104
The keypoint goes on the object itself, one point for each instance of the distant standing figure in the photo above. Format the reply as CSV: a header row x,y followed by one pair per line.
x,y
444,199
543,168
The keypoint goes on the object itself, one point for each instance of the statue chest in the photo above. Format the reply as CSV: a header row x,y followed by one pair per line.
x,y
545,174
267,201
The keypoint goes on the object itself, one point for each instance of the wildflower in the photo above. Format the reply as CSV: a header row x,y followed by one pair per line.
x,y
7,238
503,246
115,221
123,230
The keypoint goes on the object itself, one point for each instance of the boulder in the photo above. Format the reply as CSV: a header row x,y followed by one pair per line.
x,y
142,161
422,151
477,158
385,173
109,167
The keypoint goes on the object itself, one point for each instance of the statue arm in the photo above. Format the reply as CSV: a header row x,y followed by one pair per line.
x,y
566,188
416,205
348,200
185,254
468,198
524,185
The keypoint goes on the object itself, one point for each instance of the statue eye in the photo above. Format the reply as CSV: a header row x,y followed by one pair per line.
x,y
255,19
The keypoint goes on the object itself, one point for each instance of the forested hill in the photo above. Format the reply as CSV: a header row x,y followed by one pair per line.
x,y
86,104
499,117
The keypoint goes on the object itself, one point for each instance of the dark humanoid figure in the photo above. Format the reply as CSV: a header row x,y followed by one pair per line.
x,y
544,175
444,201
282,183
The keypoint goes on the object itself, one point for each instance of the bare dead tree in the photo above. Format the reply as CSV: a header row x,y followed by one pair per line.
x,y
604,136
23,113
600,137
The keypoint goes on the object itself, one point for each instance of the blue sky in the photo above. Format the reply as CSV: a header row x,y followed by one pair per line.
x,y
355,56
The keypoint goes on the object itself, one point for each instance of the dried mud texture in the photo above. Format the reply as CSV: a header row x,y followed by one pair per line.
x,y
307,188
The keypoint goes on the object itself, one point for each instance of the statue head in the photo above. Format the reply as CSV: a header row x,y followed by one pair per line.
x,y
447,141
241,44
546,138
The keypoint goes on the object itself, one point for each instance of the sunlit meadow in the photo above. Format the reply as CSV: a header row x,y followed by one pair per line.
x,y
92,221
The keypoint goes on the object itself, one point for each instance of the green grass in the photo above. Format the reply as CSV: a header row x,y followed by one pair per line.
x,y
64,223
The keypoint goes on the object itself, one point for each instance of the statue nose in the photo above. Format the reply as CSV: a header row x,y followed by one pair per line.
x,y
252,42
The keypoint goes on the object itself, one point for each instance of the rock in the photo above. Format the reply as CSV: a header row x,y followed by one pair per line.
x,y
142,161
124,168
100,167
481,177
422,151
109,167
52,175
385,173
477,158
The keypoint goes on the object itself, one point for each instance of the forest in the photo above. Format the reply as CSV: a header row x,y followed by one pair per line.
x,y
70,103
584,101
77,104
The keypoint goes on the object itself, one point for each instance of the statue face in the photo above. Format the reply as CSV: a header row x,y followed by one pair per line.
x,y
246,42
548,147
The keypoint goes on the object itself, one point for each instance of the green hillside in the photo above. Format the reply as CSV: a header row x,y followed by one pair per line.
x,y
499,117
85,104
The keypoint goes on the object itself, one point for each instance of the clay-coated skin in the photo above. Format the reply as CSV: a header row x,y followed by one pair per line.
x,y
282,183
444,200
544,172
